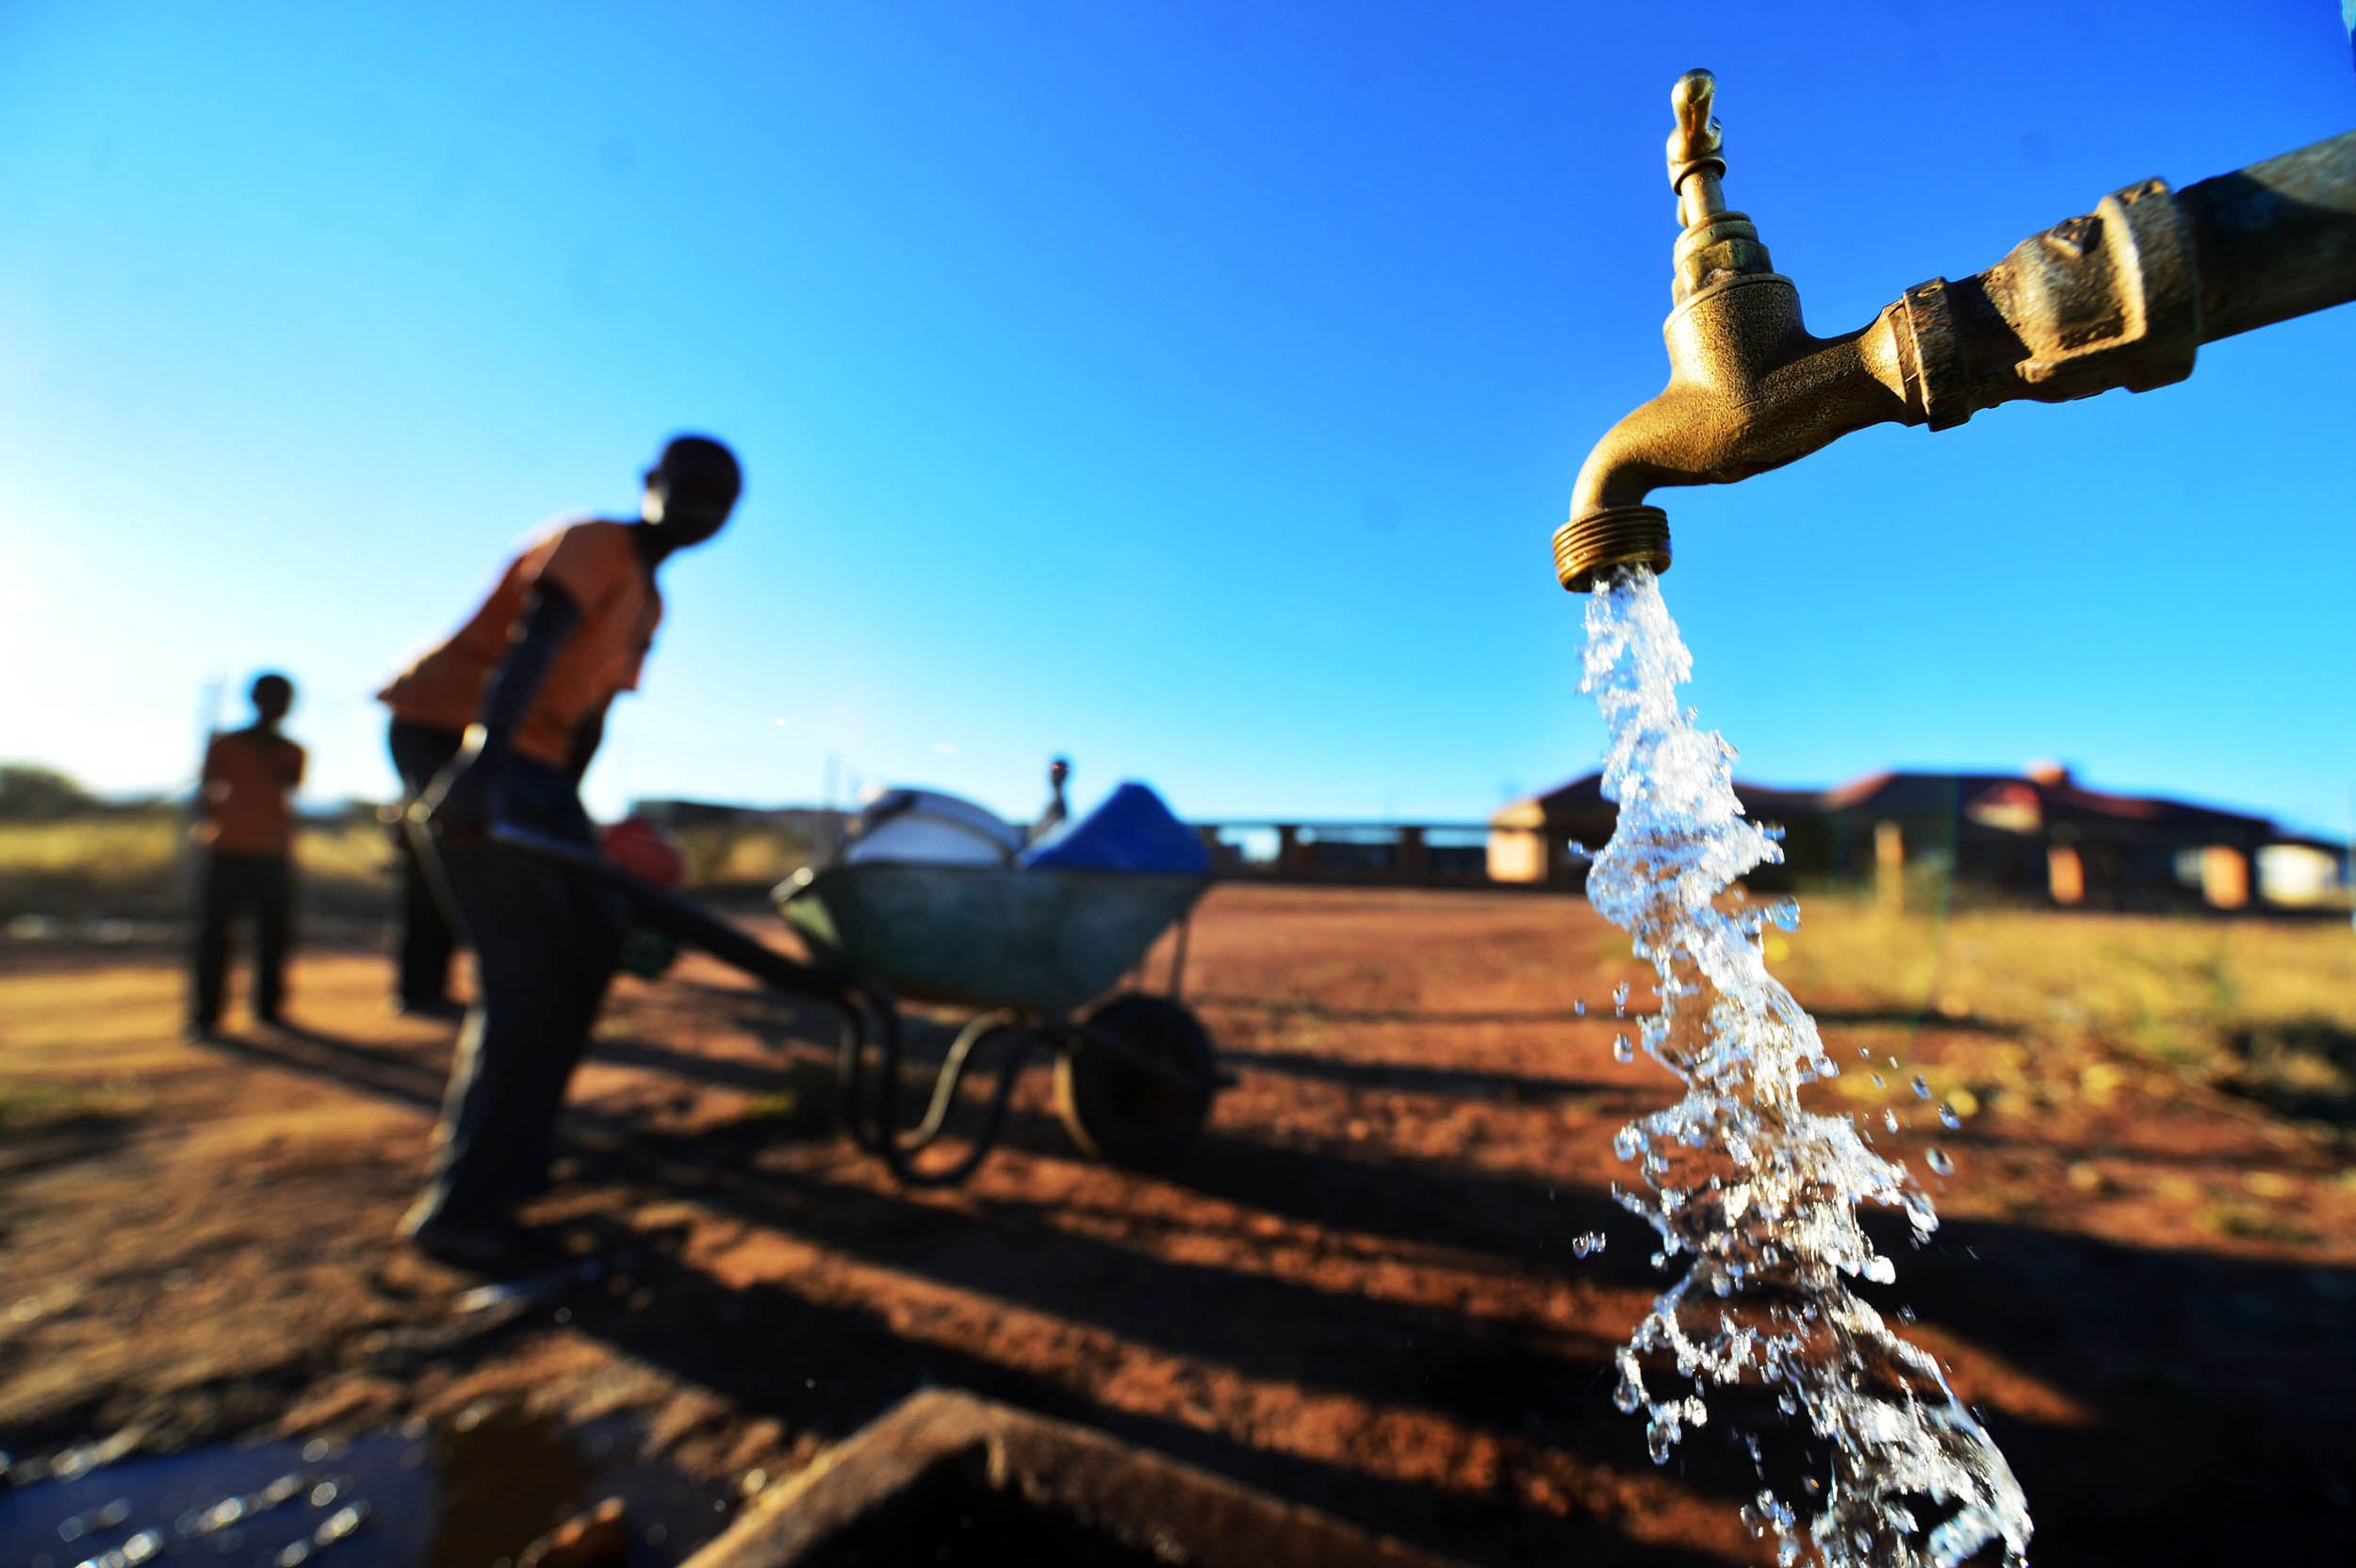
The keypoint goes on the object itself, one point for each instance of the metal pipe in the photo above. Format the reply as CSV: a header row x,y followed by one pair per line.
x,y
2121,296
2276,239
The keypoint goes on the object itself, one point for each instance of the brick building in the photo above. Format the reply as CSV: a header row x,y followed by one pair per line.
x,y
2037,835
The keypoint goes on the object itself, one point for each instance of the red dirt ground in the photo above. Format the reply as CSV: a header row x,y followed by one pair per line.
x,y
1358,1293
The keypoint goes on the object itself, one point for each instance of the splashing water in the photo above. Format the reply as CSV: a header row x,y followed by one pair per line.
x,y
1760,1193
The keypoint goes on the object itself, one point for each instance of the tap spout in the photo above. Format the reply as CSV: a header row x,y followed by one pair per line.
x,y
1749,389
2121,296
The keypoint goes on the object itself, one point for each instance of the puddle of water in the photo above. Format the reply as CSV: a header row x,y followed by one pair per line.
x,y
465,1494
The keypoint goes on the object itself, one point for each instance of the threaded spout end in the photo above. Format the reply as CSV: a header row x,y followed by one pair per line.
x,y
1585,548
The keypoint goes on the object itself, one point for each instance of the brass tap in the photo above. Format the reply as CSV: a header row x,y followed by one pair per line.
x,y
2121,296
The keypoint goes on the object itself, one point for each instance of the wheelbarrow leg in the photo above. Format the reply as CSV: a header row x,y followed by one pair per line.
x,y
1178,957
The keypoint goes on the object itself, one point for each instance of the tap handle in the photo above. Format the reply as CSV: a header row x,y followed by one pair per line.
x,y
1697,147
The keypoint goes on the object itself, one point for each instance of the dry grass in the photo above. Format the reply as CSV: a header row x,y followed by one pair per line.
x,y
724,856
139,865
2083,1007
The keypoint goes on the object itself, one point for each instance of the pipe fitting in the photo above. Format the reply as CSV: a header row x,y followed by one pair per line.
x,y
2108,298
1585,548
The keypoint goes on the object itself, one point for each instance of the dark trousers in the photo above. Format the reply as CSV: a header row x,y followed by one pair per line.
x,y
546,943
422,942
234,886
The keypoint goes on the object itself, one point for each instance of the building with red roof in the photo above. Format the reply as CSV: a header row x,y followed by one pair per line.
x,y
2037,836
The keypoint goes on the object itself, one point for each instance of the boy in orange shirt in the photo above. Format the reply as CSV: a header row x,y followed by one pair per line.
x,y
527,679
247,828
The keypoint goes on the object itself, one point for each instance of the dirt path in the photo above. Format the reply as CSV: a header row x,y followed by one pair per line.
x,y
1359,1294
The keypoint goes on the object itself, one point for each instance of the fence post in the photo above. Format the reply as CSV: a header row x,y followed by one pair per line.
x,y
1414,857
2065,874
1890,866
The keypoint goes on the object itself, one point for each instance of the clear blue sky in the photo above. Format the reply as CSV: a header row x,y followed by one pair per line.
x,y
1190,388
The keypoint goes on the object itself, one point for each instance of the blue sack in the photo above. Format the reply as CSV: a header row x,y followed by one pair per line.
x,y
1132,831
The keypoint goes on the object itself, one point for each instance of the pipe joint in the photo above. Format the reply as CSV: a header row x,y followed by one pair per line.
x,y
2108,298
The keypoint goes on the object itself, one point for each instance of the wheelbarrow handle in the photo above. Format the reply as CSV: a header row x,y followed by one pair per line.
x,y
680,917
864,1004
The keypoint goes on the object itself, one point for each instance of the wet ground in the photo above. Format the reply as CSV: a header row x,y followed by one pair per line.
x,y
1361,1293
459,1491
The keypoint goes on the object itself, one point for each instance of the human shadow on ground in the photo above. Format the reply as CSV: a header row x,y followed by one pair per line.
x,y
1278,1008
828,1368
2222,1390
1926,1019
1415,1078
401,1074
2219,1391
2216,1389
2171,1351
1281,1007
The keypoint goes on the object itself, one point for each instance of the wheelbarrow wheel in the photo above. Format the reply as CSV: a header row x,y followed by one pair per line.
x,y
1114,1104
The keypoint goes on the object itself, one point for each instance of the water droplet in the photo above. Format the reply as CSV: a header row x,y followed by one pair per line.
x,y
1622,1050
1889,1121
1879,1082
1583,1245
1937,1159
1579,1009
1948,1118
343,1522
1619,999
1626,1399
1785,913
1922,1088
323,1493
1865,1052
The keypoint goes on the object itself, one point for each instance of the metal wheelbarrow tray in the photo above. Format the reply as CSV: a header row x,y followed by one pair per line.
x,y
1039,940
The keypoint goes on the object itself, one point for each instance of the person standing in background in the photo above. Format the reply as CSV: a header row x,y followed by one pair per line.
x,y
246,826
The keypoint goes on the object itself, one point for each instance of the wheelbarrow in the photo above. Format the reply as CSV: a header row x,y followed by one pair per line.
x,y
1025,947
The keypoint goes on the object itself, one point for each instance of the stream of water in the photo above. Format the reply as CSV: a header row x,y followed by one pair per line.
x,y
1756,1198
